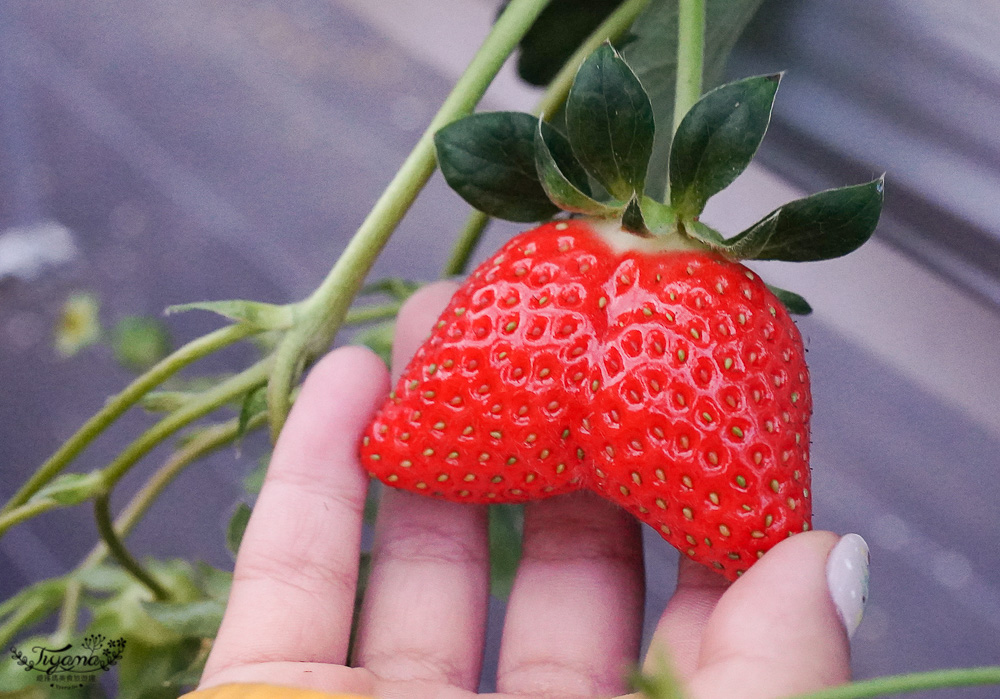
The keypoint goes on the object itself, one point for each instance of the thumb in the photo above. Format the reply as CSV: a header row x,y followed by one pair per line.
x,y
783,627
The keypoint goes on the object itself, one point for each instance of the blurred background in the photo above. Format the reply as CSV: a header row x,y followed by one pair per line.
x,y
162,152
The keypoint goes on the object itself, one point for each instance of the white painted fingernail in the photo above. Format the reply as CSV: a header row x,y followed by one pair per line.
x,y
847,578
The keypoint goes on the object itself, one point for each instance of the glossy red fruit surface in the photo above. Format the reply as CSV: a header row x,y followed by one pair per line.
x,y
672,382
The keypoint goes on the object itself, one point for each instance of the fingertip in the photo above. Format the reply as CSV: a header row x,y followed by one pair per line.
x,y
779,621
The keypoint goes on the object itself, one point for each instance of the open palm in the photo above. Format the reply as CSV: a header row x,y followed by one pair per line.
x,y
574,618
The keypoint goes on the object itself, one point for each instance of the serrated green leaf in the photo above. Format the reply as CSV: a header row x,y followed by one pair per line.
x,y
489,160
794,303
237,527
200,618
651,50
717,139
609,122
145,670
72,488
265,316
819,227
557,32
559,189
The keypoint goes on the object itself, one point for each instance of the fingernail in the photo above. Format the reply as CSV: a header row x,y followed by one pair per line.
x,y
847,578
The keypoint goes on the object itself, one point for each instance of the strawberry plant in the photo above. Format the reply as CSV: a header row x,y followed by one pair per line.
x,y
621,346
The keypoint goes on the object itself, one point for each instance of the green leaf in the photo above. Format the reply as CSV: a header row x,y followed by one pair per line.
x,y
139,342
660,219
795,304
609,121
237,527
706,234
506,523
489,160
200,618
145,670
717,139
559,189
254,481
72,488
557,32
266,316
819,227
651,50
253,405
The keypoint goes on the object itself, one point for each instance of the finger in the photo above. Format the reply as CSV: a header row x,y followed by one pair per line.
x,y
294,584
575,613
776,631
424,614
679,632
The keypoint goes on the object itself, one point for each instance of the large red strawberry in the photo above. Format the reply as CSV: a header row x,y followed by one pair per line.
x,y
580,356
628,352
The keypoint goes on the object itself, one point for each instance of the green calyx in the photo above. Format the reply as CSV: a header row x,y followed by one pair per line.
x,y
516,167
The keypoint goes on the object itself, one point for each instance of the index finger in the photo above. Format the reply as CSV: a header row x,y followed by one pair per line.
x,y
294,584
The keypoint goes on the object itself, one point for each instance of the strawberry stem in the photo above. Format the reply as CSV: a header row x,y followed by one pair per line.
x,y
690,56
611,29
324,310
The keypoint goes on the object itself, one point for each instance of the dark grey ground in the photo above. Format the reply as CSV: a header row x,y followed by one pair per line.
x,y
228,149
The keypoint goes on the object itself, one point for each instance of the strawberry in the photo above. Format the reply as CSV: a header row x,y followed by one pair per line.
x,y
628,351
672,382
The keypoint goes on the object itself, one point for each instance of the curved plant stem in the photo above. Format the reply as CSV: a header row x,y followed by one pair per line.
x,y
616,24
465,246
690,56
106,528
324,310
356,316
208,440
123,401
206,402
915,682
25,512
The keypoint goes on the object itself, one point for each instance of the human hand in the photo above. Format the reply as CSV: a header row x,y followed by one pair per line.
x,y
574,617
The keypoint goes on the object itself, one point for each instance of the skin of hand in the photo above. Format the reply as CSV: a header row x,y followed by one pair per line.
x,y
574,616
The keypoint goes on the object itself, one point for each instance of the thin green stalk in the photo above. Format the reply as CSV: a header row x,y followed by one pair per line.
x,y
31,612
25,512
325,309
914,682
106,528
690,56
465,246
68,614
356,316
114,408
616,24
206,402
207,441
